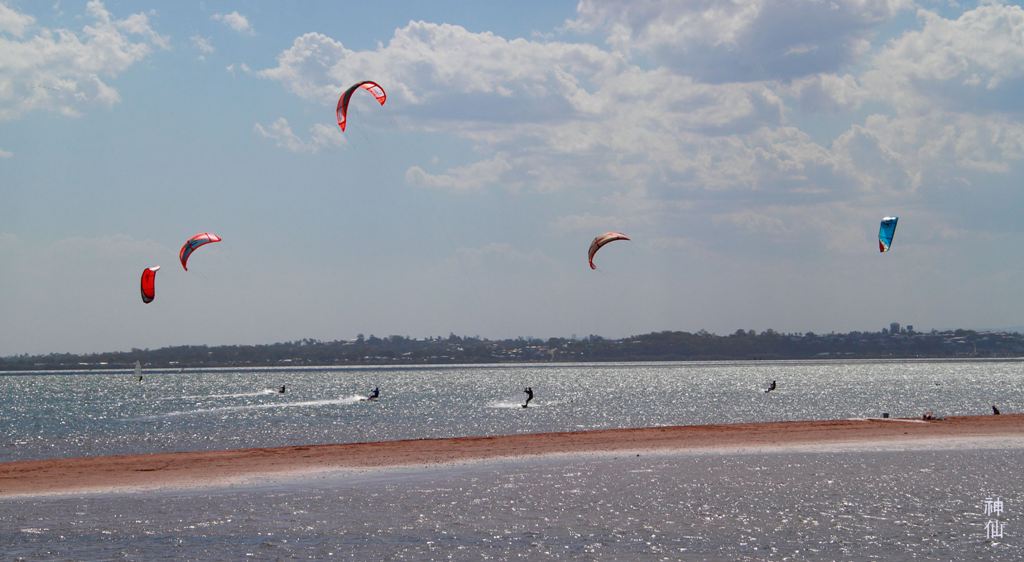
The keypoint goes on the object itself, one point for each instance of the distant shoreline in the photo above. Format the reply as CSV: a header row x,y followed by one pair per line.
x,y
196,469
129,369
742,345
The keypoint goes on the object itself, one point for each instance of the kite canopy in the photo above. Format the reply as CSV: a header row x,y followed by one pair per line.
x,y
885,233
149,283
372,87
601,241
192,244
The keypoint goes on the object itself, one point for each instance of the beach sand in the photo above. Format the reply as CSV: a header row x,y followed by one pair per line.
x,y
186,469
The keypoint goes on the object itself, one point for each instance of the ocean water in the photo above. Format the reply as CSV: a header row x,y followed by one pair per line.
x,y
61,415
923,501
825,505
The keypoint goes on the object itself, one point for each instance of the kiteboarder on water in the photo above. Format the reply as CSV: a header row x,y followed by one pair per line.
x,y
281,390
995,411
529,395
375,394
770,388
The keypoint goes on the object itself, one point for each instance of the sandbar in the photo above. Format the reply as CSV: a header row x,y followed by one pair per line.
x,y
185,469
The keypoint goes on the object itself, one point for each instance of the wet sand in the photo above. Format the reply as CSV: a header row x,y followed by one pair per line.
x,y
59,476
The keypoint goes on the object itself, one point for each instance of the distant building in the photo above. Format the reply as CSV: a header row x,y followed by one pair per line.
x,y
894,328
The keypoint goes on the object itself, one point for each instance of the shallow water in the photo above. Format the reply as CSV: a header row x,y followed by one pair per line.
x,y
838,505
48,416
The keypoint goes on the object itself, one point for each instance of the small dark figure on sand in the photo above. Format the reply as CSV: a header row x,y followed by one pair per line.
x,y
281,390
529,395
770,388
995,411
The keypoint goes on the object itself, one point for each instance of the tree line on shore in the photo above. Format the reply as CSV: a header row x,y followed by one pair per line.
x,y
655,346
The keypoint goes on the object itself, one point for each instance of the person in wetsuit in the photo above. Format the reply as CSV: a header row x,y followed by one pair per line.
x,y
281,390
375,394
771,387
995,411
529,395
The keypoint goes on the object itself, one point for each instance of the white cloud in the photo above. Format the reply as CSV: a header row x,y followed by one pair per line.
x,y
242,67
562,114
6,153
830,93
949,97
873,163
936,149
13,23
725,41
946,98
235,21
454,71
60,70
136,24
321,136
656,146
972,63
462,178
203,45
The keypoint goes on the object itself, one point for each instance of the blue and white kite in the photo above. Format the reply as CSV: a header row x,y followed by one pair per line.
x,y
886,232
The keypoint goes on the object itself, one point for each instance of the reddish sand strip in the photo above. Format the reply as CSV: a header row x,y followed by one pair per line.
x,y
171,469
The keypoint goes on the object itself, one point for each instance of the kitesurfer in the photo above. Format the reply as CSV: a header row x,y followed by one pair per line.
x,y
529,395
140,378
995,411
770,388
281,390
375,394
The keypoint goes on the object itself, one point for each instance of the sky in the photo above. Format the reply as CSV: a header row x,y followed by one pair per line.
x,y
748,148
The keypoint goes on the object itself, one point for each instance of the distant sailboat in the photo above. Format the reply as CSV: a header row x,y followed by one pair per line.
x,y
138,370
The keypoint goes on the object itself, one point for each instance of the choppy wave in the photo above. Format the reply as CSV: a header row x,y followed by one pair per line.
x,y
347,400
263,392
507,404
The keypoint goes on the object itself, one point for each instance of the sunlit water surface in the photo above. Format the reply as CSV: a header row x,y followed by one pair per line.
x,y
832,504
859,505
60,415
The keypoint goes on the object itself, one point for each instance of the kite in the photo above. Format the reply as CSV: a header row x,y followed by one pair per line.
x,y
885,233
372,87
601,241
192,244
149,283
